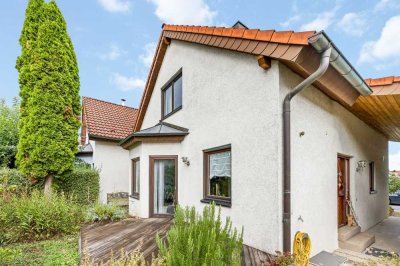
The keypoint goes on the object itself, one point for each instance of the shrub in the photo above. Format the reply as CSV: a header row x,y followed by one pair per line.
x,y
201,239
12,181
36,217
83,183
105,212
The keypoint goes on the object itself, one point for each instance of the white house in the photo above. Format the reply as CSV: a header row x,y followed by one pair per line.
x,y
104,124
210,128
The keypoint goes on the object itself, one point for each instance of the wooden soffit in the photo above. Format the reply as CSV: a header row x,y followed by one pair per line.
x,y
381,110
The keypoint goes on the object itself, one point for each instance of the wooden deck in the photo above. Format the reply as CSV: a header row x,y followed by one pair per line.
x,y
98,242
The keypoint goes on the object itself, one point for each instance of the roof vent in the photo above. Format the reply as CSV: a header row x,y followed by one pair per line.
x,y
239,25
123,102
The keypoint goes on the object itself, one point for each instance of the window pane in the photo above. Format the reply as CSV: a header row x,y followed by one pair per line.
x,y
137,176
168,101
164,186
178,93
220,174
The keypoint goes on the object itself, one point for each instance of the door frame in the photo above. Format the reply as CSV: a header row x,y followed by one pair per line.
x,y
347,187
152,158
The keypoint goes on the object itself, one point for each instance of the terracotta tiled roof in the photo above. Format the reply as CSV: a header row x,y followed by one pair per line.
x,y
108,120
284,37
383,81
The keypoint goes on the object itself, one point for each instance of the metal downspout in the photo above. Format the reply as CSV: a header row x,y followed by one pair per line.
x,y
324,63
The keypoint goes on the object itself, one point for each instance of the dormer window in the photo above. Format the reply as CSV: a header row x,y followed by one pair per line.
x,y
172,95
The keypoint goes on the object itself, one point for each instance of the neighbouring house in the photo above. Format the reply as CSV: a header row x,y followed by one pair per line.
x,y
211,128
104,125
395,173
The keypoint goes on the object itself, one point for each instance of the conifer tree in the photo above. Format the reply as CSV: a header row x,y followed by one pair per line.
x,y
48,137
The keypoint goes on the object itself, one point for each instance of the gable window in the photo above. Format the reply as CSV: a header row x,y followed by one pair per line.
x,y
218,175
372,177
136,178
172,95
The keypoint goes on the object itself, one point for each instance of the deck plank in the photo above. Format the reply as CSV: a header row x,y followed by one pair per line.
x,y
100,242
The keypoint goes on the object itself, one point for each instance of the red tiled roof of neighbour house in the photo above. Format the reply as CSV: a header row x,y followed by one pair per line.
x,y
381,109
290,48
108,120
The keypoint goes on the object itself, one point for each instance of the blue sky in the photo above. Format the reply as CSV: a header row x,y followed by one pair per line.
x,y
114,39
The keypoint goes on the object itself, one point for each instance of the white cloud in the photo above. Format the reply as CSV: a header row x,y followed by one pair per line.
x,y
115,5
184,12
290,21
114,53
127,83
387,46
386,5
353,24
147,56
321,22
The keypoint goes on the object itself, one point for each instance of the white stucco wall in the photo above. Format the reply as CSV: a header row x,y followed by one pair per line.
x,y
330,129
113,162
229,99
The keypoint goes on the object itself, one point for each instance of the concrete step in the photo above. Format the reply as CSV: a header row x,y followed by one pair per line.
x,y
347,232
358,243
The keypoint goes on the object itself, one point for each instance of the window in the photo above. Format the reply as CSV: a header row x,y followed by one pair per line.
x,y
136,178
372,177
172,95
217,175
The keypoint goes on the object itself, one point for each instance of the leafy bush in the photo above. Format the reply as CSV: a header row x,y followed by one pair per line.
x,y
12,181
105,212
8,132
394,183
35,217
201,239
83,183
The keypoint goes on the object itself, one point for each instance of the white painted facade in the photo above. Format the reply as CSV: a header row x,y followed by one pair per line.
x,y
112,162
229,99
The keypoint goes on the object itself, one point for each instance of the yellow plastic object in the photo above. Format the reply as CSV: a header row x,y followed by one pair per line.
x,y
302,249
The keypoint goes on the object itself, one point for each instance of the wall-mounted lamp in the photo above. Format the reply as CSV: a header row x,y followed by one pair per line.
x,y
361,164
186,161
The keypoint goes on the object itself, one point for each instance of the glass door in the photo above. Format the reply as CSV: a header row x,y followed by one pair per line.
x,y
164,176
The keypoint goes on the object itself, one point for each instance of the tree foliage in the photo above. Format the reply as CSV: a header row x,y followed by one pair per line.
x,y
49,88
8,132
394,183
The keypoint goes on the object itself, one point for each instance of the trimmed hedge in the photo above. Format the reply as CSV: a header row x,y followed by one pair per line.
x,y
83,183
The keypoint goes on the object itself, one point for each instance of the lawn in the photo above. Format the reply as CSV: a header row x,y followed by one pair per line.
x,y
62,251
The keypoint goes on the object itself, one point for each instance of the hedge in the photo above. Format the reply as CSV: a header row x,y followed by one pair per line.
x,y
83,183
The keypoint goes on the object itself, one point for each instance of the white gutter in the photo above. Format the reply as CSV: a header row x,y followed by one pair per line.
x,y
320,41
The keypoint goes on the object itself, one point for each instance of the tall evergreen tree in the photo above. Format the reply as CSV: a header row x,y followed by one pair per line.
x,y
48,137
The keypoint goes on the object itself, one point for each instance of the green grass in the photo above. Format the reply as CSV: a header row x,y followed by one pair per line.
x,y
63,251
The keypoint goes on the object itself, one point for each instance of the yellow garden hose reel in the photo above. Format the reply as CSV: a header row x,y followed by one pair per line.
x,y
302,249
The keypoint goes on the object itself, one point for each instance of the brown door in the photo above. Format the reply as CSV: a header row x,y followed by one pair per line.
x,y
342,189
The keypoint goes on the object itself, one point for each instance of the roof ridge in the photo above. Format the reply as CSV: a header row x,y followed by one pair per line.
x,y
130,107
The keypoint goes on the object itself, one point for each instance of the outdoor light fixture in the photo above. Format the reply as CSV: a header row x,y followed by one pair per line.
x,y
361,164
186,161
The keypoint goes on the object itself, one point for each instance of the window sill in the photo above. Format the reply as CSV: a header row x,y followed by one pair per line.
x,y
373,192
219,202
134,196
